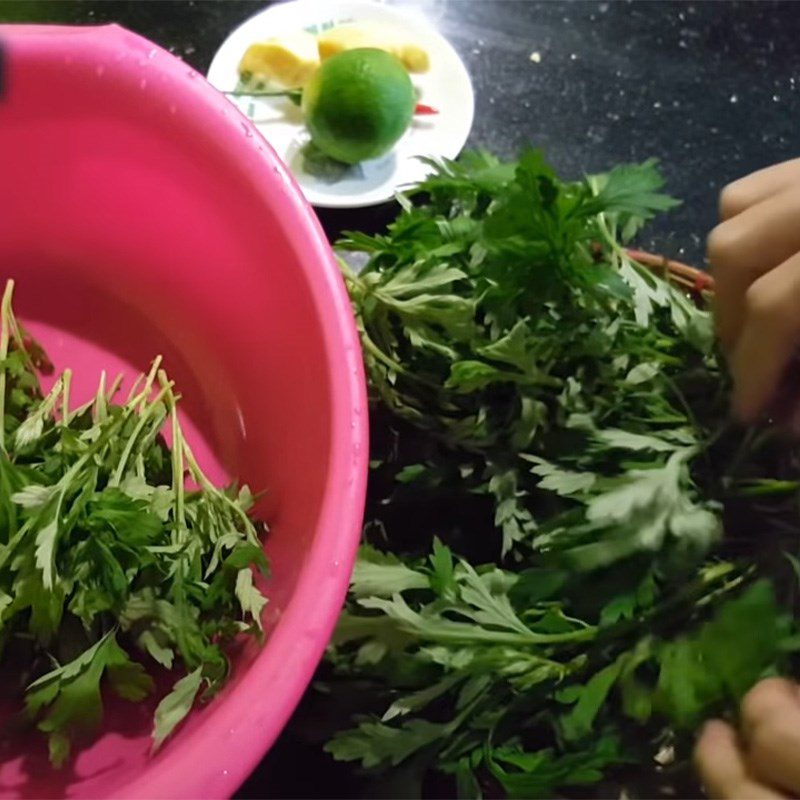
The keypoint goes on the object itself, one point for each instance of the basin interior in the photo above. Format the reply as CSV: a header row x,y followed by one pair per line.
x,y
131,232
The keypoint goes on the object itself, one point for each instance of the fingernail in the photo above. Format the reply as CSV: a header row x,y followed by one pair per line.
x,y
710,726
701,731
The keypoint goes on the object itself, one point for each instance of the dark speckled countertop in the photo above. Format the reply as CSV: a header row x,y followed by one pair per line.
x,y
708,88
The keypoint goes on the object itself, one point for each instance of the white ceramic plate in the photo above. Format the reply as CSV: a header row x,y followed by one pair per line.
x,y
446,87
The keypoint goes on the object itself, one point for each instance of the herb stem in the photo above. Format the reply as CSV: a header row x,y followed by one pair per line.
x,y
292,93
178,468
149,381
5,312
679,396
99,406
66,382
144,416
456,633
202,479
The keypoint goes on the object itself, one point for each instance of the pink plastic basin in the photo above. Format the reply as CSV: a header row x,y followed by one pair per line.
x,y
141,214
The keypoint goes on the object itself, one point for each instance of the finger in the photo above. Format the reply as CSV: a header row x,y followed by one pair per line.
x,y
722,768
768,340
771,718
746,247
719,760
764,700
740,195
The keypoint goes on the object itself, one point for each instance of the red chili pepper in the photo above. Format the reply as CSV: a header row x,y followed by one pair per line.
x,y
421,109
701,283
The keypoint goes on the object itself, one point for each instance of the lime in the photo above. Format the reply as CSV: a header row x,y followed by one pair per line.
x,y
358,104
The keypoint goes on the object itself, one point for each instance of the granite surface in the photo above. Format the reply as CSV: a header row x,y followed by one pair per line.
x,y
708,88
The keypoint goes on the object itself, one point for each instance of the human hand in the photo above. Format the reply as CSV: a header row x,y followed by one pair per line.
x,y
760,761
755,259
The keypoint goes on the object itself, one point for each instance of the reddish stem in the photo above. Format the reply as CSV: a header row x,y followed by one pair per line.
x,y
702,281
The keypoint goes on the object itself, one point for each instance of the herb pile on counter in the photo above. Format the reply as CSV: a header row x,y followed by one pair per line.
x,y
545,598
110,567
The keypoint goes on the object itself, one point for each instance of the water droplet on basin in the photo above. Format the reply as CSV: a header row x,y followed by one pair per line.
x,y
248,131
152,54
242,424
